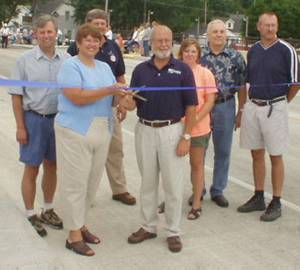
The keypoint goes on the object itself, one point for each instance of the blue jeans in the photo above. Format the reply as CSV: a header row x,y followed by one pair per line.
x,y
146,47
223,120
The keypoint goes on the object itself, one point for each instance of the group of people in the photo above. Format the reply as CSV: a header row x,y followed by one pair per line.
x,y
76,131
140,39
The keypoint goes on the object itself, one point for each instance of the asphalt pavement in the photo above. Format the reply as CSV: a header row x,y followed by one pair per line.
x,y
219,239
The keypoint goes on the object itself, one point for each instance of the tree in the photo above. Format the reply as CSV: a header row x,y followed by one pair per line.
x,y
181,14
288,16
8,8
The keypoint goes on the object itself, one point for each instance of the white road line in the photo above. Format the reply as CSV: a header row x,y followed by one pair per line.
x,y
241,183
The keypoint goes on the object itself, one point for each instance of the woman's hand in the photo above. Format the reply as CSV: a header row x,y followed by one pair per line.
x,y
118,89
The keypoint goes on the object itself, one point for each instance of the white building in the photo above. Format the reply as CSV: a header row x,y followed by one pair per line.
x,y
64,14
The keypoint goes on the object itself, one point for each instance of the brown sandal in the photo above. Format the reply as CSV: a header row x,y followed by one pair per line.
x,y
89,237
80,247
194,213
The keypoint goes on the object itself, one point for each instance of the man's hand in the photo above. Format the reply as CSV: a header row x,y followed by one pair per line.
x,y
238,119
22,136
121,113
183,147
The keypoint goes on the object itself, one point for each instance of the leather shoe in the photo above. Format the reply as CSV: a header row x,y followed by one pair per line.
x,y
174,243
220,200
140,236
125,198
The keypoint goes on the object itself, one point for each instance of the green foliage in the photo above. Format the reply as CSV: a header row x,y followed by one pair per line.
x,y
8,8
181,14
287,10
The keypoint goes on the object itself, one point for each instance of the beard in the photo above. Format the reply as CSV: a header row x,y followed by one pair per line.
x,y
162,54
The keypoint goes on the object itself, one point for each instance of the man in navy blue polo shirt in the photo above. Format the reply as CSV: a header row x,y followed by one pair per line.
x,y
161,139
110,53
272,65
228,67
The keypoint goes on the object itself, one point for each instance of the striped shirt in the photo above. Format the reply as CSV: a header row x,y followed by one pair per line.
x,y
271,69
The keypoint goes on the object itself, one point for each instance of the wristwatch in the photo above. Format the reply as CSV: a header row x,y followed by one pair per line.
x,y
186,136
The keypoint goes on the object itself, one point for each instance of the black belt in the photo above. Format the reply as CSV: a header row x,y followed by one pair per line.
x,y
223,99
52,115
270,103
159,124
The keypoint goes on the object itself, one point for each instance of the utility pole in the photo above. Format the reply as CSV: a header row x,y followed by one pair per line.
x,y
247,26
205,12
198,27
150,12
106,6
145,11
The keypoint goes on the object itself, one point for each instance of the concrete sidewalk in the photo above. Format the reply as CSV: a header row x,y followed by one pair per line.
x,y
220,239
20,247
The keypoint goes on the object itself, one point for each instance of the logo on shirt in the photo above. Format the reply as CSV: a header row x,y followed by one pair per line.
x,y
113,58
174,71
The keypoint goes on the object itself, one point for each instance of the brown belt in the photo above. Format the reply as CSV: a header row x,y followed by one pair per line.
x,y
156,124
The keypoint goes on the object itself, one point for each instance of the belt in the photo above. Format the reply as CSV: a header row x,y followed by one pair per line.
x,y
158,123
262,103
52,115
223,99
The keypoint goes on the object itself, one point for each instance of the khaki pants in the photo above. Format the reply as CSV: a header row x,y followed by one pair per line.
x,y
114,164
156,154
80,164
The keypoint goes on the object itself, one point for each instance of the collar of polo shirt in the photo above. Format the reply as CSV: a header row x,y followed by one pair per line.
x,y
171,61
40,53
225,50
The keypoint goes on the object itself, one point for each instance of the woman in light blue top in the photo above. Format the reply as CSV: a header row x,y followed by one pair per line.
x,y
82,128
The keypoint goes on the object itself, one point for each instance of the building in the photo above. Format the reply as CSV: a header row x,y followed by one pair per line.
x,y
63,11
234,25
23,17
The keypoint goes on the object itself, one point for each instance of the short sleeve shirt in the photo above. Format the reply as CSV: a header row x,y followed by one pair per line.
x,y
206,84
228,67
109,53
167,104
271,69
74,73
35,66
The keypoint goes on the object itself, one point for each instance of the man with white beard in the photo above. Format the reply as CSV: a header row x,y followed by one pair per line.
x,y
161,139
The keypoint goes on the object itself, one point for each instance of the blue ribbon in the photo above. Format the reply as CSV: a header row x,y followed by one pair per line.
x,y
54,85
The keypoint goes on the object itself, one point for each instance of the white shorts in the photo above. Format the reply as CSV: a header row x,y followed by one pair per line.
x,y
258,131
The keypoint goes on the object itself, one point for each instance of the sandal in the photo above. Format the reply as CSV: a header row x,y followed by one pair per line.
x,y
194,213
80,247
89,237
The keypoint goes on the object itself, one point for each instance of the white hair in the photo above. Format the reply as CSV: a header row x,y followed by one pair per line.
x,y
212,23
